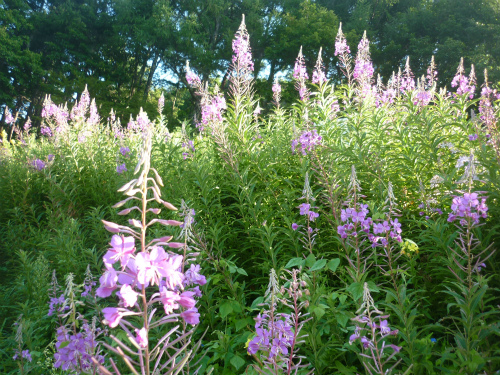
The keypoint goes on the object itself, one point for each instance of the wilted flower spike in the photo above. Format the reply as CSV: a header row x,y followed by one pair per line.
x,y
354,186
161,103
273,287
307,191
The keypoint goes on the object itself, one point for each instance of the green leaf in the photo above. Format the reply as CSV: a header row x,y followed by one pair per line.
x,y
235,305
294,262
342,318
319,312
333,264
241,271
237,362
64,344
318,265
310,260
356,290
226,308
372,287
241,323
257,302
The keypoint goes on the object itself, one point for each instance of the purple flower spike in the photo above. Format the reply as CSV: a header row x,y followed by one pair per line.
x,y
295,226
38,164
121,168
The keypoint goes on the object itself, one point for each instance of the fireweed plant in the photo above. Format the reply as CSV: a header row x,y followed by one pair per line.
x,y
418,152
277,335
148,279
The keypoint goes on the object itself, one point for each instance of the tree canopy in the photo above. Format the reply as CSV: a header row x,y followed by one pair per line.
x,y
126,50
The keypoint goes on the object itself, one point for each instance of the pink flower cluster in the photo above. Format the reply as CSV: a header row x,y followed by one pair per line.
x,y
299,70
242,54
486,111
192,78
356,221
141,123
57,113
308,141
212,111
137,271
470,206
8,118
81,107
463,85
24,354
422,98
319,76
341,46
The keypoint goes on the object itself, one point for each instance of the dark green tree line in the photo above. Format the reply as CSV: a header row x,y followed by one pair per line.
x,y
124,50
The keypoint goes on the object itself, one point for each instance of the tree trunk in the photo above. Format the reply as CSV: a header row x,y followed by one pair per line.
x,y
272,71
154,65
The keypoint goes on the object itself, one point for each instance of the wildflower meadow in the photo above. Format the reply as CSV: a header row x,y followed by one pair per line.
x,y
352,229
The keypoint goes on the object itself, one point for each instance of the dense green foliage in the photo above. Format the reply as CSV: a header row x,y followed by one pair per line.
x,y
246,185
125,49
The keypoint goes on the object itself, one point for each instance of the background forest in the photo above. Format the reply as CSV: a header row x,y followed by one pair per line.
x,y
126,50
